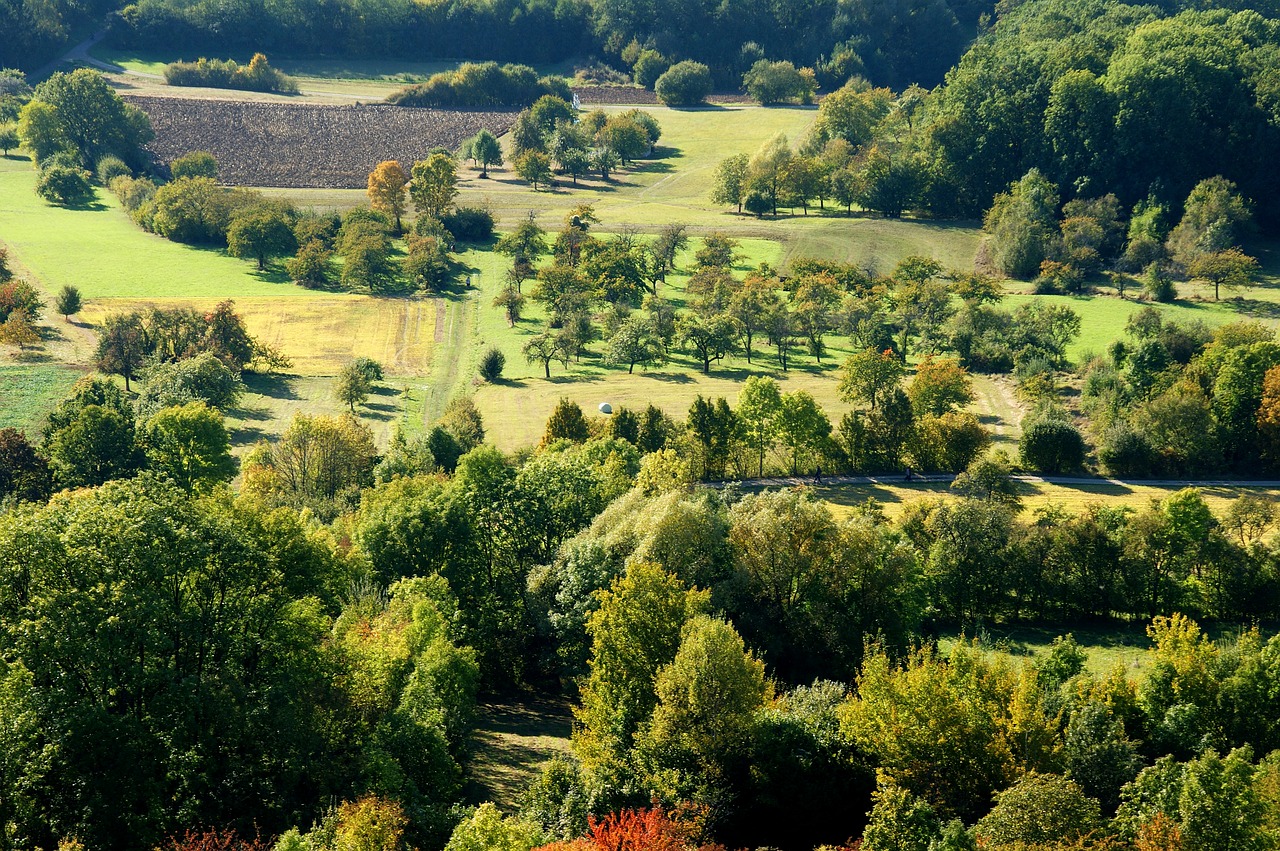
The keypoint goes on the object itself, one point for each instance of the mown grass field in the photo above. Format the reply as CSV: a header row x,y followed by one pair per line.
x,y
893,493
29,391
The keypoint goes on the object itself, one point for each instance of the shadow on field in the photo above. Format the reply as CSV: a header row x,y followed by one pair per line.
x,y
511,742
1253,307
670,377
272,386
379,411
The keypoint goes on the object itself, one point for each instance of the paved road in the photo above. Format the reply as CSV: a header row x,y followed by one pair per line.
x,y
899,479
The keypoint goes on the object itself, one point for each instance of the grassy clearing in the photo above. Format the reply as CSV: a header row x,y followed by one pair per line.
x,y
323,333
511,742
265,411
29,391
100,250
894,494
1105,646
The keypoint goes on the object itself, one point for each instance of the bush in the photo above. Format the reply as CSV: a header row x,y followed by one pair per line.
x,y
194,164
491,364
257,76
779,82
64,185
1157,284
480,85
109,168
203,378
1052,446
684,84
1127,453
469,224
134,193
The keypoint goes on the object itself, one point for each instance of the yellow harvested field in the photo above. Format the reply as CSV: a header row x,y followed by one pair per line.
x,y
322,333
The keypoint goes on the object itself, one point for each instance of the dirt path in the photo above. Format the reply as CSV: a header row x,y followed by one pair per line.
x,y
946,478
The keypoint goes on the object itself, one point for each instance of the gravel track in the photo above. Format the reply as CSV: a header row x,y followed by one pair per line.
x,y
308,146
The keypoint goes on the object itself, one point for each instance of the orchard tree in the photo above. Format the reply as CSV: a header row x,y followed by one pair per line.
x,y
9,138
352,385
870,376
387,183
940,385
711,339
486,150
18,330
260,233
1230,268
535,168
121,345
435,185
78,112
545,348
68,302
729,184
634,343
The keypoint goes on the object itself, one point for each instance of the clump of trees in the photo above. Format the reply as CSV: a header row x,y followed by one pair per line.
x,y
257,76
482,85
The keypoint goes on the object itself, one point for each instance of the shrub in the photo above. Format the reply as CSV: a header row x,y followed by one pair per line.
x,y
1157,284
480,85
133,192
1127,453
491,364
257,76
194,164
1052,446
312,267
109,168
64,185
778,82
469,224
684,84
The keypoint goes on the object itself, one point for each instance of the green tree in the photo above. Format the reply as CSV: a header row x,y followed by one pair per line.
x,y
759,410
24,474
940,385
634,343
899,821
66,186
352,386
487,830
869,376
544,348
1215,214
685,83
711,340
1039,808
68,301
534,167
82,114
260,233
9,138
1023,225
1230,268
189,444
803,428
635,632
486,151
95,446
1051,445
729,184
526,243
566,423
435,184
121,345
777,82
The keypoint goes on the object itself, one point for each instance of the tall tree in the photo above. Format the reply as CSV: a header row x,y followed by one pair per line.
x,y
386,187
435,185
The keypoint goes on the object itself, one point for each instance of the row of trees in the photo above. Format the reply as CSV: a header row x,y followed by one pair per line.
x,y
892,44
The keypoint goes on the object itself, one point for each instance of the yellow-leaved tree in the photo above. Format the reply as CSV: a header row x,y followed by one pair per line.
x,y
387,184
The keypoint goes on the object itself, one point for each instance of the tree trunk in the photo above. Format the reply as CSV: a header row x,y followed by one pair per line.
x,y
546,365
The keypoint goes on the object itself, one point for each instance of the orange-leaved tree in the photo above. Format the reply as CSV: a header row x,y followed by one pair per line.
x,y
387,184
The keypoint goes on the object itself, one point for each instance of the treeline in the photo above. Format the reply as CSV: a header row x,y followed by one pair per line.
x,y
36,32
893,44
257,76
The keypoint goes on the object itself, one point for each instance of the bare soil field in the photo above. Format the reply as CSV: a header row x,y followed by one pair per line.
x,y
306,145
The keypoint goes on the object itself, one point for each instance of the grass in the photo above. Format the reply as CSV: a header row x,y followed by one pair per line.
x,y
894,494
1105,646
267,409
29,391
510,744
323,333
100,250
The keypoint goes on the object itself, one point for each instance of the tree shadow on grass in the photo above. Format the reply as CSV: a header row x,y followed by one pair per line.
x,y
670,377
379,411
384,390
272,386
1253,307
